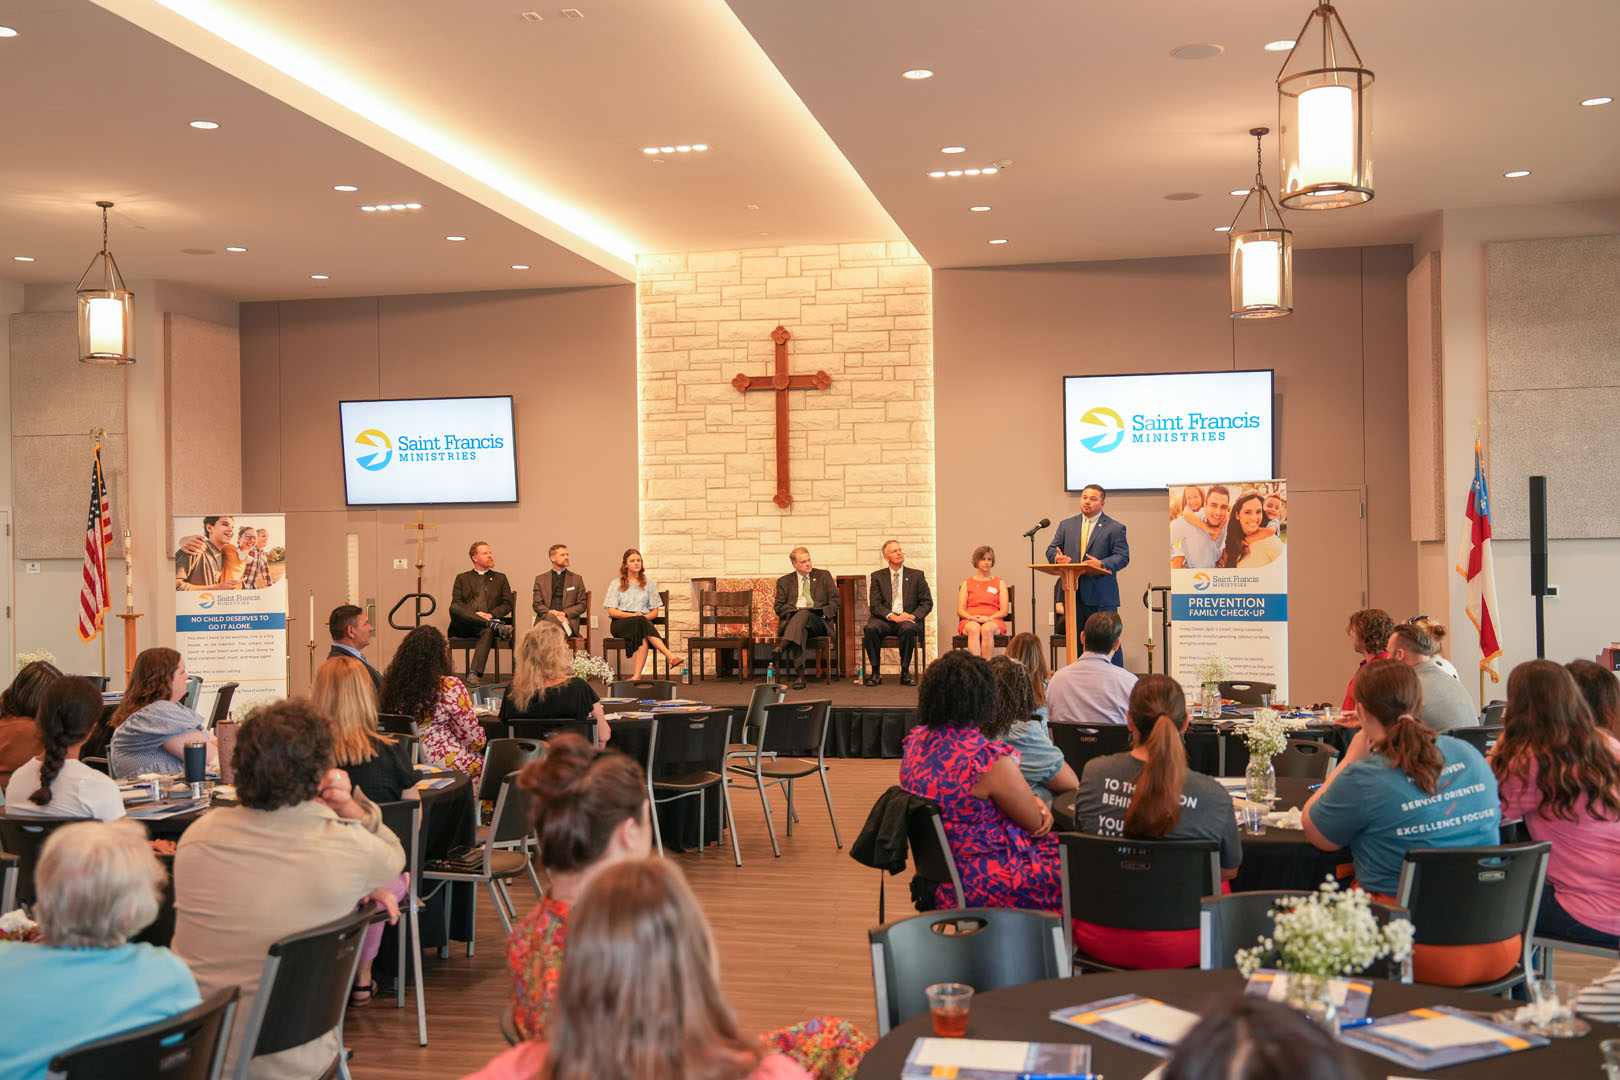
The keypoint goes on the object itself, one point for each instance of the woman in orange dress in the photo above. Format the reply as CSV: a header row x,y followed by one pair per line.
x,y
981,605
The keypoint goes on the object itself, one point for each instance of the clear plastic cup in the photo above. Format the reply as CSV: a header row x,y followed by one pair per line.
x,y
1554,1003
949,1003
1254,819
1611,1058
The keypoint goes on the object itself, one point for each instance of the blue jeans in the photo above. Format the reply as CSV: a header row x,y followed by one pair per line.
x,y
1554,922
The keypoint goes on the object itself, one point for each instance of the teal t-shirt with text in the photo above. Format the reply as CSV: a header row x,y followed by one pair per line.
x,y
1380,814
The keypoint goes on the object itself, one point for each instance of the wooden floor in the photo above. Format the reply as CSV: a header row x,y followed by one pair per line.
x,y
791,933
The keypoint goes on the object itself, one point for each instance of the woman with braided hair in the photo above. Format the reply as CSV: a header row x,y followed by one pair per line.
x,y
56,783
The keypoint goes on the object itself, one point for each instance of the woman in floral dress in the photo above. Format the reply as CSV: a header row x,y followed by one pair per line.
x,y
418,684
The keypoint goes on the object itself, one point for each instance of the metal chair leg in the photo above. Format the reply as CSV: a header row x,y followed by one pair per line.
x,y
658,833
770,825
703,822
416,961
793,815
725,800
825,790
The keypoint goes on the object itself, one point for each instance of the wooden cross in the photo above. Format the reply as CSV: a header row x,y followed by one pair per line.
x,y
782,382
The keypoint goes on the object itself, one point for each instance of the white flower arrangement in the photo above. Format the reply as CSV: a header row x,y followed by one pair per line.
x,y
1267,736
590,668
26,658
16,926
1327,933
1214,668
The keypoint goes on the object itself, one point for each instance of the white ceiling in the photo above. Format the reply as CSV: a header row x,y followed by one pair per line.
x,y
526,136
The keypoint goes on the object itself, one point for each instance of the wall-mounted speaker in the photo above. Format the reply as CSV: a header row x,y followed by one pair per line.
x,y
1538,536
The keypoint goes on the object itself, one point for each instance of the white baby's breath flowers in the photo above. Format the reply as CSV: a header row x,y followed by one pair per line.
x,y
26,658
1267,736
588,667
1327,933
1214,668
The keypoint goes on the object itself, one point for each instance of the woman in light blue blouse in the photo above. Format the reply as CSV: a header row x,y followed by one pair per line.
x,y
151,728
632,603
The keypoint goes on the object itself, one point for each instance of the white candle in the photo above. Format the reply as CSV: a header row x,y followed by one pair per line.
x,y
129,574
1150,624
312,616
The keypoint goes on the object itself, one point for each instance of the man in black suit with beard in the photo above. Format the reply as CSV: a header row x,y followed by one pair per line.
x,y
898,599
481,605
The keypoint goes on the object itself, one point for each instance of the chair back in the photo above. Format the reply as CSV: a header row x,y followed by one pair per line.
x,y
99,764
1246,691
190,1046
1491,715
1480,738
987,948
688,742
487,697
1306,759
1239,920
931,855
726,614
402,817
513,806
1136,884
795,729
193,691
397,724
305,987
1473,895
764,694
222,704
24,837
1082,742
541,730
502,758
644,689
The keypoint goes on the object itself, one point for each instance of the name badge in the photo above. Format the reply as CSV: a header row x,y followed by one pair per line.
x,y
569,589
991,589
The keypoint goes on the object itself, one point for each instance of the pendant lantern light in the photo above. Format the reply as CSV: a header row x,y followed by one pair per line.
x,y
1324,118
1260,259
107,313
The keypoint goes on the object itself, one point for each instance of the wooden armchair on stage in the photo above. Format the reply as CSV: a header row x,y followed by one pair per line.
x,y
725,622
580,642
834,655
618,647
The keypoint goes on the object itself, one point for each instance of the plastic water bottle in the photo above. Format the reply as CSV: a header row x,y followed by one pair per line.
x,y
860,669
770,673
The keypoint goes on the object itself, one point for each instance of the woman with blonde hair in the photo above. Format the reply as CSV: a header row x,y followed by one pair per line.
x,y
981,604
1026,649
377,763
542,687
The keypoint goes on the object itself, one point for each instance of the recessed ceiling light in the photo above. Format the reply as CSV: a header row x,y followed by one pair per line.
x,y
520,266
978,209
751,206
667,149
399,206
989,169
1199,50
764,234
700,146
413,206
971,172
1182,196
344,187
1516,174
953,172
649,149
320,277
998,241
917,73
455,238
683,149
6,31
20,258
369,209
1597,101
953,149
1240,191
204,125
937,173
1223,228
234,248
1280,45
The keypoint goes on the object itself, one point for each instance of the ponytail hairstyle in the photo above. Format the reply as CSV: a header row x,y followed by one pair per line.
x,y
68,709
1157,712
1548,724
1390,692
21,698
150,680
581,795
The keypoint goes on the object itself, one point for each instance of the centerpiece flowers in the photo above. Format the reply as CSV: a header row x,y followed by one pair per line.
x,y
590,668
1213,670
1266,738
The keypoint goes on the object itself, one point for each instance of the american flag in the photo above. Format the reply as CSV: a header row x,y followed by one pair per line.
x,y
1475,566
93,599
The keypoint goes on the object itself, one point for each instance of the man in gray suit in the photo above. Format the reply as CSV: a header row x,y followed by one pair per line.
x,y
560,593
806,605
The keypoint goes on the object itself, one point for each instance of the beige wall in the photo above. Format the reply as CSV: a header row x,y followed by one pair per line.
x,y
1007,336
567,357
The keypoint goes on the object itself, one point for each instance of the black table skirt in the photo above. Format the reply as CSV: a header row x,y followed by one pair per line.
x,y
1021,1013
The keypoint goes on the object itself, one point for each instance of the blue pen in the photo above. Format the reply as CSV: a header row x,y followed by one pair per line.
x,y
1363,1022
1059,1076
1150,1040
1314,787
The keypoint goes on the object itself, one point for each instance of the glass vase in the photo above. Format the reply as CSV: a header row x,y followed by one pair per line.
x,y
1260,781
1310,996
1212,701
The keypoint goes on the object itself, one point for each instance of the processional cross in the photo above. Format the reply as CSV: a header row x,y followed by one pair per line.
x,y
781,383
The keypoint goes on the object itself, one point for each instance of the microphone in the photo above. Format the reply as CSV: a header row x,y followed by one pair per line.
x,y
1043,524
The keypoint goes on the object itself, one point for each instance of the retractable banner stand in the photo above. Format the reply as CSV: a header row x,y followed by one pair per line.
x,y
1229,580
230,605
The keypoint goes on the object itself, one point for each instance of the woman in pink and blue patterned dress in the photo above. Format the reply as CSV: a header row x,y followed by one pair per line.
x,y
418,684
1000,832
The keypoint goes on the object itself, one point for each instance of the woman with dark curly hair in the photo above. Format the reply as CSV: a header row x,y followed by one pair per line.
x,y
19,738
301,850
150,729
56,783
418,684
1000,833
1369,631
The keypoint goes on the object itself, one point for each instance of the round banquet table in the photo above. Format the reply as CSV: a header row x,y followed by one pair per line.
x,y
1021,1013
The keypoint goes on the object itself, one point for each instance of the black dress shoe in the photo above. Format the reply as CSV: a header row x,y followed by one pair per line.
x,y
798,682
908,679
873,680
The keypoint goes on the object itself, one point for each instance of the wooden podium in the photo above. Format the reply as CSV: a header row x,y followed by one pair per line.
x,y
1070,572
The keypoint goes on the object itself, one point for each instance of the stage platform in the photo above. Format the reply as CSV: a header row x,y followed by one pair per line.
x,y
867,721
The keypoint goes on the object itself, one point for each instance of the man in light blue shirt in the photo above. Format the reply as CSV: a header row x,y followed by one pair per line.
x,y
1196,544
1092,690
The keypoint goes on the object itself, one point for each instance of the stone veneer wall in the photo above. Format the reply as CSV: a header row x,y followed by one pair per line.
x,y
862,451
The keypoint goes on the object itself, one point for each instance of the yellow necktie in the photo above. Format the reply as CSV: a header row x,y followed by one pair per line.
x,y
1085,536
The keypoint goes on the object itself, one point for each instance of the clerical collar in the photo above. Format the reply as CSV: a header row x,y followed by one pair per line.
x,y
479,572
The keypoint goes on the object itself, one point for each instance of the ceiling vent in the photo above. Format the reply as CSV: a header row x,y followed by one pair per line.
x,y
572,13
532,16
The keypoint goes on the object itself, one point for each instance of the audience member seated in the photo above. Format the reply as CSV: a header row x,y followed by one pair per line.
x,y
1601,689
1093,689
1026,649
19,704
1369,631
639,947
97,884
1250,1038
418,684
1437,631
590,809
1000,833
1013,722
632,602
543,689
57,784
1392,793
378,764
981,605
1560,772
302,849
1446,704
1147,793
150,728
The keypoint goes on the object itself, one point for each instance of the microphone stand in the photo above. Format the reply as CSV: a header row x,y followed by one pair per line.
x,y
1034,605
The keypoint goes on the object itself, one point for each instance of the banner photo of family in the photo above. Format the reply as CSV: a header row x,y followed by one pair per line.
x,y
230,605
1229,581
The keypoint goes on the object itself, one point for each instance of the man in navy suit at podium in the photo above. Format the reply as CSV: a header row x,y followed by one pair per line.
x,y
1093,537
